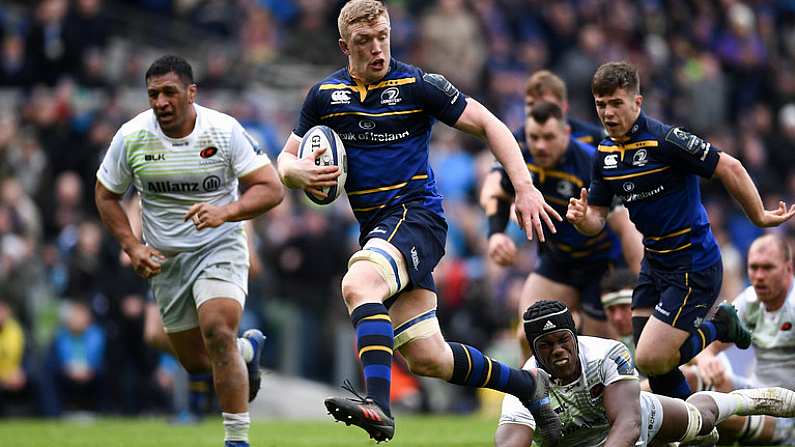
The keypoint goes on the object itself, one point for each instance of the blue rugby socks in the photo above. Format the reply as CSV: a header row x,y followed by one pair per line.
x,y
699,339
375,339
473,369
671,384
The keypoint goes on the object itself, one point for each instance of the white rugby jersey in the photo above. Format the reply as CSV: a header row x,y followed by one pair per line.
x,y
172,174
773,338
579,403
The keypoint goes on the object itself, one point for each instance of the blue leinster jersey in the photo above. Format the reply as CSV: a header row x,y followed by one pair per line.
x,y
655,171
558,185
386,128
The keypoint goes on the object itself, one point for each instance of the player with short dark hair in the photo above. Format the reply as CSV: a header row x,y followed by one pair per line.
x,y
383,111
654,169
570,264
186,162
546,86
595,391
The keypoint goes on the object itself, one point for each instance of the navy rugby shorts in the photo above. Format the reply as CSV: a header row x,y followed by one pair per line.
x,y
418,234
681,299
585,278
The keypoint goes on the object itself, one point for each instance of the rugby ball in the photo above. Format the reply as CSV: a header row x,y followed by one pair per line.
x,y
324,136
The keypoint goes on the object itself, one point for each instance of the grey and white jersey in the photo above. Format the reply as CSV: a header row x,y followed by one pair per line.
x,y
173,174
773,338
580,403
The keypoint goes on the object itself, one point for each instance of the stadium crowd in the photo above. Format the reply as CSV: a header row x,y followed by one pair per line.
x,y
72,312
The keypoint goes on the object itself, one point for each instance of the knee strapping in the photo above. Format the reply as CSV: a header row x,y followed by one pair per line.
x,y
423,325
694,422
389,267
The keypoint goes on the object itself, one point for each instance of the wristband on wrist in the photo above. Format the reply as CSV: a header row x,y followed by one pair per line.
x,y
499,220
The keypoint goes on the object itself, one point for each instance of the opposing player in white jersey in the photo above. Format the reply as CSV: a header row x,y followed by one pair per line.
x,y
767,309
597,395
185,162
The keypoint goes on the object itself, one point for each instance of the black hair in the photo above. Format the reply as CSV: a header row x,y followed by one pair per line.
x,y
543,111
168,64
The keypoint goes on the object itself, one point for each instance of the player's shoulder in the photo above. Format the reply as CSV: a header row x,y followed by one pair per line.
x,y
215,118
651,127
596,348
583,149
338,77
142,122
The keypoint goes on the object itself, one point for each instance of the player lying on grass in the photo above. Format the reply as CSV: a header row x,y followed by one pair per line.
x,y
597,394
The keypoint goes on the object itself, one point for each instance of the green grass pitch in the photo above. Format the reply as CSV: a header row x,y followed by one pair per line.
x,y
412,431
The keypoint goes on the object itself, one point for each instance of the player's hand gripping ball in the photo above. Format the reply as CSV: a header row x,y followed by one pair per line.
x,y
324,136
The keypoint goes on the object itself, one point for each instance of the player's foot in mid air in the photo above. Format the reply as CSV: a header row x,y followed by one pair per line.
x,y
547,421
362,412
257,340
779,402
736,333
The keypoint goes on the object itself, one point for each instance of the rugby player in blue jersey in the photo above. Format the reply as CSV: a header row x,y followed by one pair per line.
x,y
570,265
654,168
383,110
546,86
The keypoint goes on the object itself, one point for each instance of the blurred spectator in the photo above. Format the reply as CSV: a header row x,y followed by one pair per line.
x,y
16,385
50,49
451,44
75,362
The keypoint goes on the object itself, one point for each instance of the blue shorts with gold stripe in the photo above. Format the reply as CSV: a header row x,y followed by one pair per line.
x,y
679,299
419,234
586,278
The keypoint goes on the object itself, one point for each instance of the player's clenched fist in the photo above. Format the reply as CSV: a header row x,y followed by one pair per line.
x,y
502,250
577,208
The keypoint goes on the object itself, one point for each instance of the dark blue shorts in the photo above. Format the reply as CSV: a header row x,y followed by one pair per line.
x,y
679,299
419,234
585,278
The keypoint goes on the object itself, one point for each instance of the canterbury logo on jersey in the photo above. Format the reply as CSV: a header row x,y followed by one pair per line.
x,y
340,97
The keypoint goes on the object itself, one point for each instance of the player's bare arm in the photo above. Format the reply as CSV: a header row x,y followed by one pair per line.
x,y
513,435
587,219
263,192
739,184
622,404
144,259
493,200
302,173
531,209
631,239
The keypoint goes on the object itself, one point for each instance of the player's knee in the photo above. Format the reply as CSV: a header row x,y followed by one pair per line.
x,y
707,408
353,292
654,362
219,338
425,363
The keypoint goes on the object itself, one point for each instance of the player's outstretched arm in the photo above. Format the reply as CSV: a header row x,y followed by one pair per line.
x,y
531,209
587,219
739,184
144,259
622,403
